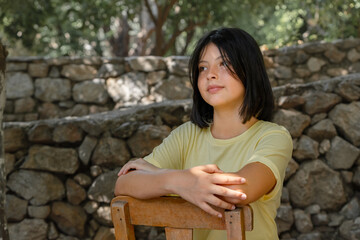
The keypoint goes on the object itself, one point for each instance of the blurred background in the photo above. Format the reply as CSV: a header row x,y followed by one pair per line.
x,y
112,28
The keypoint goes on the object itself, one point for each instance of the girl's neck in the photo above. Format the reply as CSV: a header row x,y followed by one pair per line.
x,y
229,124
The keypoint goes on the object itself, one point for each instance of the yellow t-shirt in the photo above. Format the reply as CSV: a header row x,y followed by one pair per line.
x,y
265,142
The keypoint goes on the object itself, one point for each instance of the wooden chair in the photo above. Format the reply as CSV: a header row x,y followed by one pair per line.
x,y
178,216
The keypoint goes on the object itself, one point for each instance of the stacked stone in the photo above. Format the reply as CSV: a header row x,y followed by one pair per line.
x,y
61,173
42,88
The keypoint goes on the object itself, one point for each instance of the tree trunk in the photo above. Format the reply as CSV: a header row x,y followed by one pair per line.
x,y
3,224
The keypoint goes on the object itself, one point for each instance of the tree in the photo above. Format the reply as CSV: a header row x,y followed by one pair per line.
x,y
3,223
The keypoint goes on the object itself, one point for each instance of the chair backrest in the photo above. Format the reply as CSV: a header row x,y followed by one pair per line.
x,y
178,216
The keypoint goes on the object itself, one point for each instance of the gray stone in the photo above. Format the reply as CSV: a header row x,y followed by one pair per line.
x,y
353,55
324,146
53,159
315,64
342,155
334,55
41,212
302,221
49,110
37,187
9,163
15,208
302,72
352,209
284,218
292,101
310,236
29,229
130,87
284,60
40,133
69,219
14,139
347,43
316,47
83,179
301,57
333,72
102,189
54,72
14,67
53,232
316,183
283,72
320,219
351,92
291,169
111,70
74,192
92,91
95,171
318,117
317,102
38,69
67,133
19,85
335,219
146,63
350,229
177,65
79,72
86,149
105,233
125,130
173,88
324,129
313,209
354,68
153,78
346,118
110,152
294,121
91,206
347,176
52,89
356,178
306,148
24,105
78,110
103,215
146,138
285,198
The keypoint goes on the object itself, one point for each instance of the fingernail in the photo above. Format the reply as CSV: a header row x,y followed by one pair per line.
x,y
233,207
243,197
219,215
243,180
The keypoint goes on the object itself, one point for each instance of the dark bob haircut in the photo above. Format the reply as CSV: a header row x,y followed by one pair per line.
x,y
241,50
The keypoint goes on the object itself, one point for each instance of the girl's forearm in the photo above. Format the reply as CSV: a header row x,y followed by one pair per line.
x,y
145,184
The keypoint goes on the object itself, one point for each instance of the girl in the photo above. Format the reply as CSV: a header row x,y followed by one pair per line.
x,y
229,153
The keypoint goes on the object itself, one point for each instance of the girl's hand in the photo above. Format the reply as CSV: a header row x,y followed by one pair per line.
x,y
138,164
201,186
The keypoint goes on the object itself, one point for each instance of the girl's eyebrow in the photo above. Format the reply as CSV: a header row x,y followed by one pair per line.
x,y
201,61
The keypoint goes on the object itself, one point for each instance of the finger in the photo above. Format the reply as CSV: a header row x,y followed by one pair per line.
x,y
226,192
227,179
204,206
211,168
221,203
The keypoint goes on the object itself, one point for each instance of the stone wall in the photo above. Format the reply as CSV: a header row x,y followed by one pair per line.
x,y
43,88
61,172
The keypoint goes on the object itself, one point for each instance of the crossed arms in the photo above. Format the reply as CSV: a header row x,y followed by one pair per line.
x,y
204,186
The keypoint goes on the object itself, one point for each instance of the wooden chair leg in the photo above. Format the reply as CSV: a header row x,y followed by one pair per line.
x,y
235,224
121,219
178,233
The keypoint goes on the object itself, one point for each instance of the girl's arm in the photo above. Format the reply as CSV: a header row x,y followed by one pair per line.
x,y
260,180
200,185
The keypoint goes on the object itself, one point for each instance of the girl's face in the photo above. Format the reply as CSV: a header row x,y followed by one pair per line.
x,y
217,85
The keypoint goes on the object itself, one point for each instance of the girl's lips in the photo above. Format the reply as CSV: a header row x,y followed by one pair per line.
x,y
214,88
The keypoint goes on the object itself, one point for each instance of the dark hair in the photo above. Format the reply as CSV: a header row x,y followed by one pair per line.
x,y
241,50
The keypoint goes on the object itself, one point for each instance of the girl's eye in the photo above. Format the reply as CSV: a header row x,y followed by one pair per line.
x,y
225,64
202,69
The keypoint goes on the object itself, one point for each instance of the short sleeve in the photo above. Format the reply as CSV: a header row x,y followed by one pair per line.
x,y
274,150
169,154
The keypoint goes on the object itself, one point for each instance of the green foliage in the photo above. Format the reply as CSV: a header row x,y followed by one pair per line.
x,y
89,27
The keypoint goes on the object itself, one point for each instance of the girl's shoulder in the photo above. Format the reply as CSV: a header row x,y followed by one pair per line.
x,y
188,129
265,127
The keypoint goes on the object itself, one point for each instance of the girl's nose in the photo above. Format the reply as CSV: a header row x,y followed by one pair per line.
x,y
212,73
